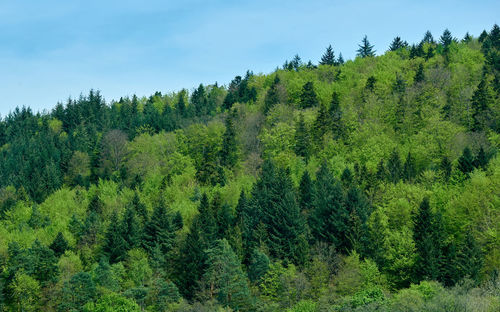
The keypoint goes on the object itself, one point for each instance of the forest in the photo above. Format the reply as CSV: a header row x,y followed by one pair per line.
x,y
370,184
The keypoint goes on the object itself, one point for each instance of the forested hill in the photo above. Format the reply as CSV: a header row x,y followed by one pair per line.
x,y
370,184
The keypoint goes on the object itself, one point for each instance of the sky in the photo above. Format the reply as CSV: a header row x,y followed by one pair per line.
x,y
52,50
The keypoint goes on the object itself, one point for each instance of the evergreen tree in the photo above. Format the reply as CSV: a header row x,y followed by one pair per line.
x,y
340,60
76,292
181,103
481,159
483,36
306,193
272,95
419,76
335,113
199,101
138,207
308,96
159,231
471,258
394,167
428,38
259,265
42,263
115,247
424,235
467,38
224,279
321,125
302,139
466,161
177,221
229,151
359,210
130,229
409,168
370,83
480,100
446,39
381,171
445,167
397,44
329,219
59,245
328,58
365,48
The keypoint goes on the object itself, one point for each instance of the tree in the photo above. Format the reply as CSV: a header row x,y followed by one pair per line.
x,y
419,76
428,38
112,302
365,48
446,39
409,168
308,96
224,279
424,235
466,161
76,292
229,150
113,150
321,125
301,139
394,167
306,193
199,101
181,103
59,245
397,44
328,58
471,258
26,292
340,60
328,220
479,105
359,211
272,95
130,228
445,167
335,113
158,231
115,247
481,159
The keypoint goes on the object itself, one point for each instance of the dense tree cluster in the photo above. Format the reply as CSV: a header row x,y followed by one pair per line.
x,y
367,185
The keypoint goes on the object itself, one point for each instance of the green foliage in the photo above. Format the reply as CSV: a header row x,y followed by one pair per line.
x,y
365,48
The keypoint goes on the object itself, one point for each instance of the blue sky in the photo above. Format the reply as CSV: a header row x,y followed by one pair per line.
x,y
51,50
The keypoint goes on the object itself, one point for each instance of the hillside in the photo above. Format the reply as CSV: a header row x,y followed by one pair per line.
x,y
370,184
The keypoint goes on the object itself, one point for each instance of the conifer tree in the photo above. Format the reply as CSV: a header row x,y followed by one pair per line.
x,y
302,139
181,104
428,38
328,58
359,210
381,171
229,150
115,247
471,258
272,95
321,125
446,39
424,235
394,167
483,36
308,96
419,76
259,265
467,38
130,228
409,168
199,101
42,263
365,48
329,219
335,113
224,279
397,44
59,245
159,231
138,207
305,193
466,161
481,159
445,167
480,100
340,60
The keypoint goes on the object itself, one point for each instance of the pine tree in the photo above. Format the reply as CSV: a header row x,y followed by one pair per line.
x,y
397,44
224,279
229,151
115,247
321,125
305,193
272,95
302,139
308,96
419,76
394,167
335,113
199,101
445,167
76,292
483,36
359,211
340,60
138,207
328,58
428,38
467,38
381,171
471,258
258,267
424,234
480,100
181,104
494,37
446,39
42,263
328,220
409,168
365,48
130,228
59,245
95,204
466,161
159,231
481,159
